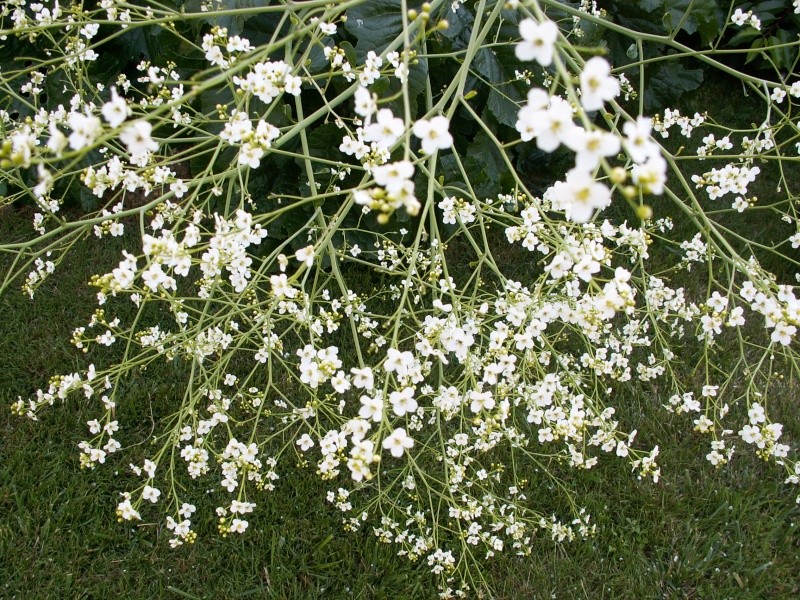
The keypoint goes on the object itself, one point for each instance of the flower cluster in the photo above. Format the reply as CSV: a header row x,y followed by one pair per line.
x,y
739,18
434,313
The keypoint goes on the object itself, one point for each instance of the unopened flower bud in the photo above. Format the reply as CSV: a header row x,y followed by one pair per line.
x,y
618,175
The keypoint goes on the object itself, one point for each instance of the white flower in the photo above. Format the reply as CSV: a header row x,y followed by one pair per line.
x,y
250,155
363,378
597,83
709,391
398,442
238,525
739,17
481,401
371,408
737,317
116,110
434,134
783,333
126,511
85,129
403,401
552,126
530,115
136,138
750,434
386,130
717,302
328,28
591,146
266,133
393,176
756,414
151,493
305,442
637,140
238,44
340,383
237,126
305,255
538,41
365,103
241,508
579,195
57,141
651,175
179,188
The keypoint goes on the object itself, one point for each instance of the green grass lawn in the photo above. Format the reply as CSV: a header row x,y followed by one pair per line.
x,y
699,533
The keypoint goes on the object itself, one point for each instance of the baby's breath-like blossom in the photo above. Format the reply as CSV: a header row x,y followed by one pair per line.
x,y
363,378
116,110
371,408
125,510
239,525
638,143
591,147
305,255
327,28
137,138
597,84
403,401
778,94
739,17
305,442
394,175
651,175
550,123
85,129
150,493
458,350
538,41
434,134
579,195
398,442
386,129
365,104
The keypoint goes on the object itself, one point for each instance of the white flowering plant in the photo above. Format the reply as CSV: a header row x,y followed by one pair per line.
x,y
420,250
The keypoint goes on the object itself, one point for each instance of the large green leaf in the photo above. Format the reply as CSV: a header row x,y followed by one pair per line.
x,y
667,82
323,142
483,164
704,17
460,27
375,24
782,54
641,15
503,96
